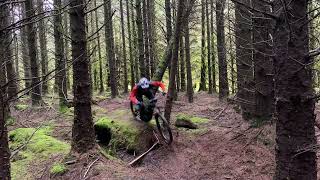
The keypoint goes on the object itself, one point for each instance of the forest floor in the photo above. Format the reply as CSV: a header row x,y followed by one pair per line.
x,y
226,147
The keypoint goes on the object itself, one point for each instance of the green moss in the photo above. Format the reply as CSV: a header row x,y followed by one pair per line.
x,y
194,119
58,169
10,121
40,147
21,107
124,135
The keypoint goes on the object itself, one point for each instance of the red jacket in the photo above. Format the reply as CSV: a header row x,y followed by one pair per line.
x,y
135,91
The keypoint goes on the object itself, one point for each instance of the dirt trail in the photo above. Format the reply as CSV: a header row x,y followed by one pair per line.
x,y
227,148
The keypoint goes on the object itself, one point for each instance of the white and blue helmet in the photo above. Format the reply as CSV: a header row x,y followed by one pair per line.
x,y
144,83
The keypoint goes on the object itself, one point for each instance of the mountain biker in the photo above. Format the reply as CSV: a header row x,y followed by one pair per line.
x,y
143,88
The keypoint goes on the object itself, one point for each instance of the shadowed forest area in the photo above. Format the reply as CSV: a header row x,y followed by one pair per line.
x,y
238,99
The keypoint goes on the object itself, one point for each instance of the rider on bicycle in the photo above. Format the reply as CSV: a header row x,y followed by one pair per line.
x,y
144,87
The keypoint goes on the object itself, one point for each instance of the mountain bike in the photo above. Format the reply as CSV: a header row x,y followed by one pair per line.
x,y
151,109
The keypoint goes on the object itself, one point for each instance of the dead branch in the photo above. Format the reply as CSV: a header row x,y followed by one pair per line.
x,y
145,153
254,138
85,174
221,112
25,144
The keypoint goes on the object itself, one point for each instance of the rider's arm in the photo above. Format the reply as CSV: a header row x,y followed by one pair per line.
x,y
133,95
159,84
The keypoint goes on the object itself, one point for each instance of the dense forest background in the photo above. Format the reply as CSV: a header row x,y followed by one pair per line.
x,y
258,55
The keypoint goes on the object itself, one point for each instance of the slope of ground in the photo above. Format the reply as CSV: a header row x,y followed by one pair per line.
x,y
227,147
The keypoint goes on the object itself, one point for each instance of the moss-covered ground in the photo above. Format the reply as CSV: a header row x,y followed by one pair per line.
x,y
37,145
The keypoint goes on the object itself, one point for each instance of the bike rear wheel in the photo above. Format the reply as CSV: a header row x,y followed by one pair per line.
x,y
134,113
164,128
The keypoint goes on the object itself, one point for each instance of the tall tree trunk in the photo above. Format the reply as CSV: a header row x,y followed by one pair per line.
x,y
132,77
209,47
101,87
203,48
168,19
223,74
163,64
178,73
140,39
124,52
213,56
263,70
135,42
151,34
4,145
60,54
188,63
230,49
25,52
83,137
146,38
4,44
245,83
110,48
43,47
295,118
32,44
17,58
7,56
174,62
66,45
182,66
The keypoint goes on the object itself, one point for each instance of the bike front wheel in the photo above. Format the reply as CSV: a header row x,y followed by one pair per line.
x,y
164,128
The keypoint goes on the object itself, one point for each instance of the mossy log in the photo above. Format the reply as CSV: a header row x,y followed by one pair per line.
x,y
131,135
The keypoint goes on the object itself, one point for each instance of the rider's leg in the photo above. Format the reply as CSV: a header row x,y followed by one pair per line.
x,y
138,108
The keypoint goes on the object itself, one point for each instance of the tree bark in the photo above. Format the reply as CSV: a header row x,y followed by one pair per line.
x,y
124,51
174,62
203,48
151,35
66,45
4,45
83,137
140,39
60,54
43,47
209,47
295,118
182,66
223,74
263,68
32,44
245,82
168,19
101,86
135,43
163,64
110,48
146,38
7,44
188,63
132,76
25,52
213,56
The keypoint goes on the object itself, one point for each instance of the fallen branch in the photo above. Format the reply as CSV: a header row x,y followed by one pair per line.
x,y
221,112
240,134
85,174
145,153
255,137
16,151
